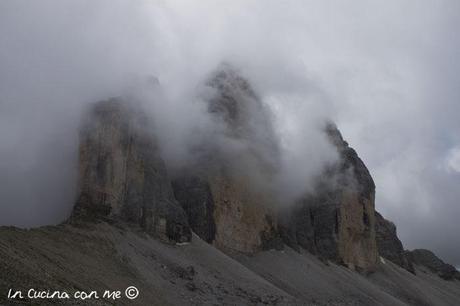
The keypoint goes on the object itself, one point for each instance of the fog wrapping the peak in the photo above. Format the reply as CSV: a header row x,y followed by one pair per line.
x,y
387,72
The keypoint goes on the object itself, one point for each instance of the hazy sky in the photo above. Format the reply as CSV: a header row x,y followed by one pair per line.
x,y
386,71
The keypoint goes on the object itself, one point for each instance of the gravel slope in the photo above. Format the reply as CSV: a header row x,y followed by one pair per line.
x,y
102,256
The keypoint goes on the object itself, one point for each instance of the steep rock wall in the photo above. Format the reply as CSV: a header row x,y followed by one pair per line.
x,y
122,176
224,183
337,222
226,196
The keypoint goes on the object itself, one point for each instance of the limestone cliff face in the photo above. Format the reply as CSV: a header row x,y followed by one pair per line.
x,y
338,221
389,245
195,196
226,196
243,218
227,212
357,245
224,188
122,176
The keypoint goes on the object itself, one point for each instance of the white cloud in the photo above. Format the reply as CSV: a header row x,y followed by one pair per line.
x,y
453,160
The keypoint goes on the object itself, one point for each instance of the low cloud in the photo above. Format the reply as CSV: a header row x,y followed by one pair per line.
x,y
453,160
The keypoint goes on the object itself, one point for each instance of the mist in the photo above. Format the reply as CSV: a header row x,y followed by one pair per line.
x,y
386,72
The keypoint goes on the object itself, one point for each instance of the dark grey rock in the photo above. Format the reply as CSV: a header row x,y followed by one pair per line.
x,y
428,259
122,175
194,194
313,225
337,222
219,191
389,245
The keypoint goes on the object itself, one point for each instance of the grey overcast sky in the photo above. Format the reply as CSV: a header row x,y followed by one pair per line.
x,y
388,72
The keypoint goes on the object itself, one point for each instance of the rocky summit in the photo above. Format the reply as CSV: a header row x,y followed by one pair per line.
x,y
214,232
221,188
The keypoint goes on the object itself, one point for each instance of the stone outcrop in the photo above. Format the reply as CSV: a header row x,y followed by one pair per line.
x,y
226,196
122,176
222,189
338,221
389,245
224,211
428,259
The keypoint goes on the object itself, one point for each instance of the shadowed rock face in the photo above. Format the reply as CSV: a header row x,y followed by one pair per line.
x,y
226,197
246,124
196,198
222,189
338,221
122,176
389,245
428,259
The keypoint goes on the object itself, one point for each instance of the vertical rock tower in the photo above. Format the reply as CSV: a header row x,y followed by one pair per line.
x,y
338,221
122,176
226,190
226,196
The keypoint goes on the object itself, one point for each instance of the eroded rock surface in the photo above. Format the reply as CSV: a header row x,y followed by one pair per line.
x,y
224,189
338,221
196,198
121,174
